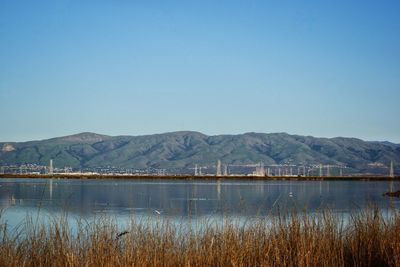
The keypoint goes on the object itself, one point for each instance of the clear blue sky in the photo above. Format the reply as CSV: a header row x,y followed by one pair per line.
x,y
322,68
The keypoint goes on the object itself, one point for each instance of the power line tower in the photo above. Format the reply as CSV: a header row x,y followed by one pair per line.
x,y
225,170
260,170
391,174
219,173
51,167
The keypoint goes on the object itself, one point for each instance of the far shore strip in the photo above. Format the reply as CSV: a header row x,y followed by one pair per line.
x,y
202,177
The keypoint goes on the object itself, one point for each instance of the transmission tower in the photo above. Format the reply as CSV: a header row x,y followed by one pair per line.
x,y
391,174
51,167
225,170
219,168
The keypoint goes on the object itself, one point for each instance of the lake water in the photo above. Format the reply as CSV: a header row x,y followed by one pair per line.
x,y
46,198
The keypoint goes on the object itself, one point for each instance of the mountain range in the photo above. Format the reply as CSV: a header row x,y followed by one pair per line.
x,y
185,149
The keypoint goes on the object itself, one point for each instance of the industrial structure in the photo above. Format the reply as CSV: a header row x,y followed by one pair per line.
x,y
51,170
219,168
391,172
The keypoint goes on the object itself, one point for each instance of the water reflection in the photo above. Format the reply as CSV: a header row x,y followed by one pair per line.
x,y
187,198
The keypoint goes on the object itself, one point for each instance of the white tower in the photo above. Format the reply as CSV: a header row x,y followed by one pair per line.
x,y
51,167
195,170
225,170
219,173
391,174
320,170
260,170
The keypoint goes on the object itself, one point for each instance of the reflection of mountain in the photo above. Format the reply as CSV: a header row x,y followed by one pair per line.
x,y
184,149
184,198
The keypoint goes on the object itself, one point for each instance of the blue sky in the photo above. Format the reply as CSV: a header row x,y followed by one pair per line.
x,y
322,68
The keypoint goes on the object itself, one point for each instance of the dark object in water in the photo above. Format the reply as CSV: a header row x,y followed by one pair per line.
x,y
392,194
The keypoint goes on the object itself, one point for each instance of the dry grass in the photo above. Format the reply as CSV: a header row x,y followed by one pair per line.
x,y
368,239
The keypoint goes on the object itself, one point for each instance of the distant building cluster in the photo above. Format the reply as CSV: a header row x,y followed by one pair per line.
x,y
288,170
219,169
260,169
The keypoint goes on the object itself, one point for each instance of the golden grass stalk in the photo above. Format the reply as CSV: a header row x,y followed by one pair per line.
x,y
367,239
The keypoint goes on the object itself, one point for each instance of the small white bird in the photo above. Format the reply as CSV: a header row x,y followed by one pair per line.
x,y
158,212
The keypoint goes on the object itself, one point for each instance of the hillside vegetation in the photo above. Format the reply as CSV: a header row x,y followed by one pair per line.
x,y
184,149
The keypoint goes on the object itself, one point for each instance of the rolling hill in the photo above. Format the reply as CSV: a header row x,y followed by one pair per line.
x,y
184,149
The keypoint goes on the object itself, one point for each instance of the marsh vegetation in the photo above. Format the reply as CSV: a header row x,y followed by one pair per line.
x,y
366,238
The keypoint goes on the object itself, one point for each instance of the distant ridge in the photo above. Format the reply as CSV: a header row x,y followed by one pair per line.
x,y
185,148
85,137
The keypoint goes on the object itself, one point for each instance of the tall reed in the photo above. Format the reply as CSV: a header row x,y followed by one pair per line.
x,y
366,239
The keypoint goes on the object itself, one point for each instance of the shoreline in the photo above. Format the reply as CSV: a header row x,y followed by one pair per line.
x,y
203,177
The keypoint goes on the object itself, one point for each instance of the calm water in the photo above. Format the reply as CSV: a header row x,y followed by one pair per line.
x,y
184,199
